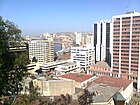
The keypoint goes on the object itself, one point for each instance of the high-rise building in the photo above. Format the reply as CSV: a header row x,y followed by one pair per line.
x,y
126,46
78,38
90,41
41,50
83,56
101,33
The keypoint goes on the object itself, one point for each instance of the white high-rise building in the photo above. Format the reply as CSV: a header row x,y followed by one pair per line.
x,y
78,38
83,56
101,33
42,50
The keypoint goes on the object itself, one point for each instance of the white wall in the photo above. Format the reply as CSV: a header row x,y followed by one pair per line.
x,y
128,92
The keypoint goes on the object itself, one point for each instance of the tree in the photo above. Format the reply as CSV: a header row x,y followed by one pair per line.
x,y
68,99
29,99
12,63
85,98
63,98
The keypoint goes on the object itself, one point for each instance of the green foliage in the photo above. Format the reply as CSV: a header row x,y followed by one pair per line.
x,y
94,74
85,98
28,99
12,64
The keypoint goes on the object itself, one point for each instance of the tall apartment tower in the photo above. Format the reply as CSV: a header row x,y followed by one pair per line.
x,y
42,50
101,33
126,46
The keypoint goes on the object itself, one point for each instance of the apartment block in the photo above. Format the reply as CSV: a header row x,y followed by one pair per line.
x,y
42,50
126,46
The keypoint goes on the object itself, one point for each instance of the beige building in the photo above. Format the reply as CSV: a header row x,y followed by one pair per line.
x,y
42,50
54,87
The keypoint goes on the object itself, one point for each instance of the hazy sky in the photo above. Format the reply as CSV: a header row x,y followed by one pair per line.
x,y
35,17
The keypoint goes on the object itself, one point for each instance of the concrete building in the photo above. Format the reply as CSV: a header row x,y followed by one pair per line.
x,y
83,56
46,67
90,41
54,87
126,46
48,86
42,50
101,32
78,38
69,67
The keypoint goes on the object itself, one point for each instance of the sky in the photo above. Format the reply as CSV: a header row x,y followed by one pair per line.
x,y
35,17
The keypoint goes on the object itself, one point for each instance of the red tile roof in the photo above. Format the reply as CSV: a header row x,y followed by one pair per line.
x,y
115,82
78,77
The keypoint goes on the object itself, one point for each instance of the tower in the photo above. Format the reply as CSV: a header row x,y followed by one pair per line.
x,y
101,32
42,50
126,46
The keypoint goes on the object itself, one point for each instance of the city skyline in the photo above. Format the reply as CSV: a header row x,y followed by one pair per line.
x,y
36,17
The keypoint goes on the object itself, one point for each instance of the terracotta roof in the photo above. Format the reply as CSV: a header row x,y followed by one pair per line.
x,y
115,82
78,77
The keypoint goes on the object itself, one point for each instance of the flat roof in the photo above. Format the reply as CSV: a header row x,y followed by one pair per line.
x,y
69,64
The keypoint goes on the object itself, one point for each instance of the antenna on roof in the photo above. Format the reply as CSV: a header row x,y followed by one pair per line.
x,y
134,5
126,8
131,7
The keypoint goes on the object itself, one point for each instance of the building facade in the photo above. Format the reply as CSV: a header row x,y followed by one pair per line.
x,y
54,87
101,68
83,56
101,33
78,38
126,46
42,50
69,67
89,41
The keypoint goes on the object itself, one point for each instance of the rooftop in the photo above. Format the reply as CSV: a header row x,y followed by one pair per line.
x,y
78,77
102,93
115,82
131,12
69,64
101,64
